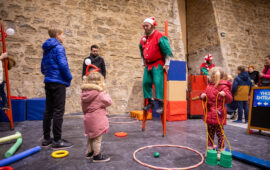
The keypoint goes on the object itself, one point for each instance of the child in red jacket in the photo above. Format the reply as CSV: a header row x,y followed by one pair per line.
x,y
218,86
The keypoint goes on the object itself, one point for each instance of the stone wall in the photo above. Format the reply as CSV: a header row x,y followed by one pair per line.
x,y
247,27
114,25
202,34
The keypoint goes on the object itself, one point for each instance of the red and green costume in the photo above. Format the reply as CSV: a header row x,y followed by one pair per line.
x,y
205,68
154,49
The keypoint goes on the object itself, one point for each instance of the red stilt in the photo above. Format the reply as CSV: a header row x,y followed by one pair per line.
x,y
9,111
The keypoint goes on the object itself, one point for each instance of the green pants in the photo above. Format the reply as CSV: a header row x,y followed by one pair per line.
x,y
156,77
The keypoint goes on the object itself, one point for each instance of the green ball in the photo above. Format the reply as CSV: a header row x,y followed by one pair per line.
x,y
156,154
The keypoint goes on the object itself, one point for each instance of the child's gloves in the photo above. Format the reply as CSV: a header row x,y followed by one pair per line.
x,y
203,95
222,93
3,55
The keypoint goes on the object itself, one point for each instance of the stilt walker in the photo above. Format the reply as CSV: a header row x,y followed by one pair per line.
x,y
8,112
156,52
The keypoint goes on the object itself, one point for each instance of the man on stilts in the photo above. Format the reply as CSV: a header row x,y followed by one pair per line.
x,y
156,52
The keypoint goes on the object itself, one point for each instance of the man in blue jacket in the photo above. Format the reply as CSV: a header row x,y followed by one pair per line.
x,y
54,67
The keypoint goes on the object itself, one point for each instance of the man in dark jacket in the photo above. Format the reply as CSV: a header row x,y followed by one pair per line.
x,y
94,59
54,67
240,90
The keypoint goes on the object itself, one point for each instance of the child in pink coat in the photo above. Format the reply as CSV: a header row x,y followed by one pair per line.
x,y
94,104
218,86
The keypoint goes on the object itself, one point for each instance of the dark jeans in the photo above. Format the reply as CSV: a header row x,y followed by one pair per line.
x,y
243,105
231,107
55,108
3,94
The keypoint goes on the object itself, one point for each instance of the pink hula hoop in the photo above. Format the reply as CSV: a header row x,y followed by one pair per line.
x,y
176,146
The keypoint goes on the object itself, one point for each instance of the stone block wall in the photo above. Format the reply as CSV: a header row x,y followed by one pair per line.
x,y
202,34
247,27
114,25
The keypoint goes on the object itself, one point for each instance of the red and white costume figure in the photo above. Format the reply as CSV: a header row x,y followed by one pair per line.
x,y
205,67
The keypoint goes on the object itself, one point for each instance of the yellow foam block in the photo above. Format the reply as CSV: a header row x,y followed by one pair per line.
x,y
176,90
139,115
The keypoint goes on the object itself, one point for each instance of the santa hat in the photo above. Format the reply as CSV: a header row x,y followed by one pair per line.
x,y
151,20
208,57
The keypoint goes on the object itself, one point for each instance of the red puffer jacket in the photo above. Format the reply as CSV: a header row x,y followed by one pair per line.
x,y
211,93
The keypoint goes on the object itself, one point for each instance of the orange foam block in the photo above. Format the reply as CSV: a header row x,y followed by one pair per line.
x,y
139,115
176,90
176,110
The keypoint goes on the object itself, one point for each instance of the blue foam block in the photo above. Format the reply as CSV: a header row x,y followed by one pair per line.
x,y
18,111
19,156
35,108
177,71
250,159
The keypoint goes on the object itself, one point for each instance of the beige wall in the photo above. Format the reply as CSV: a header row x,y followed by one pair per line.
x,y
247,27
202,34
115,25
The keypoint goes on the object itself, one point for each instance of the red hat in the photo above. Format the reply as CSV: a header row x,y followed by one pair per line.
x,y
93,68
208,57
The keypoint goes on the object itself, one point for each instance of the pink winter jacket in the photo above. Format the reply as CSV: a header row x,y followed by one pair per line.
x,y
211,93
94,103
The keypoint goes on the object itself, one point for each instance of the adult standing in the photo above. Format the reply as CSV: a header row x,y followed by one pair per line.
x,y
253,74
265,75
207,65
156,52
54,67
94,59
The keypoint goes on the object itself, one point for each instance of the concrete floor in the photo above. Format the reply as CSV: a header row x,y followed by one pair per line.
x,y
189,133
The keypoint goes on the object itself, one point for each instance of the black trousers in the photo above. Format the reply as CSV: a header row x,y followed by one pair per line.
x,y
55,108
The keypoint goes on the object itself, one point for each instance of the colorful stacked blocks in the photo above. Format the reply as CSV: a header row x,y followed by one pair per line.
x,y
176,91
35,108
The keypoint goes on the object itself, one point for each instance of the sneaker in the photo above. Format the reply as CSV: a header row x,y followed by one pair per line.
x,y
237,121
89,155
5,107
160,108
46,142
150,105
234,117
101,158
61,144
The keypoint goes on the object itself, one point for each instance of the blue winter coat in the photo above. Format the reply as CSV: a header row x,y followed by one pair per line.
x,y
241,87
54,63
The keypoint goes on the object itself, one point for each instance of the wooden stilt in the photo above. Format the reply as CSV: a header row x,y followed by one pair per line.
x,y
9,111
144,115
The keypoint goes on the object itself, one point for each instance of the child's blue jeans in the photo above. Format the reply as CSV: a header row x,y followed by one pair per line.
x,y
243,105
3,94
